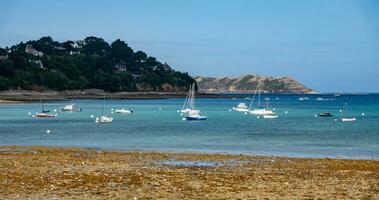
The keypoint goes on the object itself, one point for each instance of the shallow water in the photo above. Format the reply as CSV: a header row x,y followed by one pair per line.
x,y
298,133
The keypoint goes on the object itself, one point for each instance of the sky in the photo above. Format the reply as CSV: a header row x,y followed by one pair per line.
x,y
328,45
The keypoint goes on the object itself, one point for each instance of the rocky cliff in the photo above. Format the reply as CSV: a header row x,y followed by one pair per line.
x,y
248,83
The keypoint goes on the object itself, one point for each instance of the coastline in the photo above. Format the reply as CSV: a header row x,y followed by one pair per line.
x,y
39,172
15,96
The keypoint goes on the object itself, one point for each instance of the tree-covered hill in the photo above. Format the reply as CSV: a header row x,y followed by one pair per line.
x,y
89,63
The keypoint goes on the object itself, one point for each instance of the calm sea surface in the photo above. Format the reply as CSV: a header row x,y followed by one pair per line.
x,y
298,133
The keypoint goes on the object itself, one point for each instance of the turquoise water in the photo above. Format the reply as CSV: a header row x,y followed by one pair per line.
x,y
298,133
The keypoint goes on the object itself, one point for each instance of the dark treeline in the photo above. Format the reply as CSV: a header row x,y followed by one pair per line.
x,y
89,63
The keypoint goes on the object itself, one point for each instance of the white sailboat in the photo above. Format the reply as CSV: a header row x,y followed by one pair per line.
x,y
186,108
259,110
344,118
104,118
193,114
71,107
44,113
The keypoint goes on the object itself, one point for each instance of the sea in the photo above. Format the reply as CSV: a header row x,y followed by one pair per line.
x,y
156,125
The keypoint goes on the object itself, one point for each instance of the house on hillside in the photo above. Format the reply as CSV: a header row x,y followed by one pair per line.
x,y
30,50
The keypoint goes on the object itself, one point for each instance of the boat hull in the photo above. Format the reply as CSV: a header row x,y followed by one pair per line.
x,y
198,118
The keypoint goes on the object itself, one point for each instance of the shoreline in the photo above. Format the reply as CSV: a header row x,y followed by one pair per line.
x,y
15,96
39,172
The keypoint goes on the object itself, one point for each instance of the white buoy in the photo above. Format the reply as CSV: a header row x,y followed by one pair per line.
x,y
33,116
29,113
273,109
91,116
230,110
55,110
245,113
286,112
47,131
315,115
363,114
112,109
184,119
159,108
178,111
258,117
111,112
340,111
335,120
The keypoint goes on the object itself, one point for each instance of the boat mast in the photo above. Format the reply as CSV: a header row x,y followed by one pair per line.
x,y
252,100
41,103
259,95
102,113
193,97
187,97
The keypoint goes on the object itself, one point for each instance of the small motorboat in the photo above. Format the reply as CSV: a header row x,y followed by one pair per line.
x,y
348,119
241,107
71,107
325,114
272,116
123,111
104,119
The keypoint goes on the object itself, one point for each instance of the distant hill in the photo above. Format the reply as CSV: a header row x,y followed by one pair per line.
x,y
248,83
90,63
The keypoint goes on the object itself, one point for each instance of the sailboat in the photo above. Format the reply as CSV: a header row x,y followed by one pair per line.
x,y
271,115
193,114
44,113
346,119
259,110
186,108
71,107
104,118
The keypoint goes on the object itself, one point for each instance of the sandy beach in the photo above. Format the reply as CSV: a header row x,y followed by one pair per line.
x,y
72,173
22,96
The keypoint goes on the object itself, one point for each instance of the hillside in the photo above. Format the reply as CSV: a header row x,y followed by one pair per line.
x,y
46,64
248,83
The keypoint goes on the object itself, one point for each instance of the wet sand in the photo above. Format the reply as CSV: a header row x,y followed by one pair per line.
x,y
72,173
14,96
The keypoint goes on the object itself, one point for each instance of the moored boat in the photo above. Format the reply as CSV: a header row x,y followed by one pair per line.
x,y
325,114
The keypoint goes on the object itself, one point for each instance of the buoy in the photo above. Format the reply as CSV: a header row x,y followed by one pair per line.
x,y
178,111
363,114
273,109
315,115
286,112
335,120
111,112
112,109
258,117
230,110
160,108
29,113
33,116
47,131
245,113
91,116
184,119
340,110
55,110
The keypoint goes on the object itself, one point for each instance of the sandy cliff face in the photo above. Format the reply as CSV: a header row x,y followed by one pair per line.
x,y
248,83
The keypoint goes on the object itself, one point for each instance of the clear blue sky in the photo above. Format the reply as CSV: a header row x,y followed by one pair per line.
x,y
329,45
